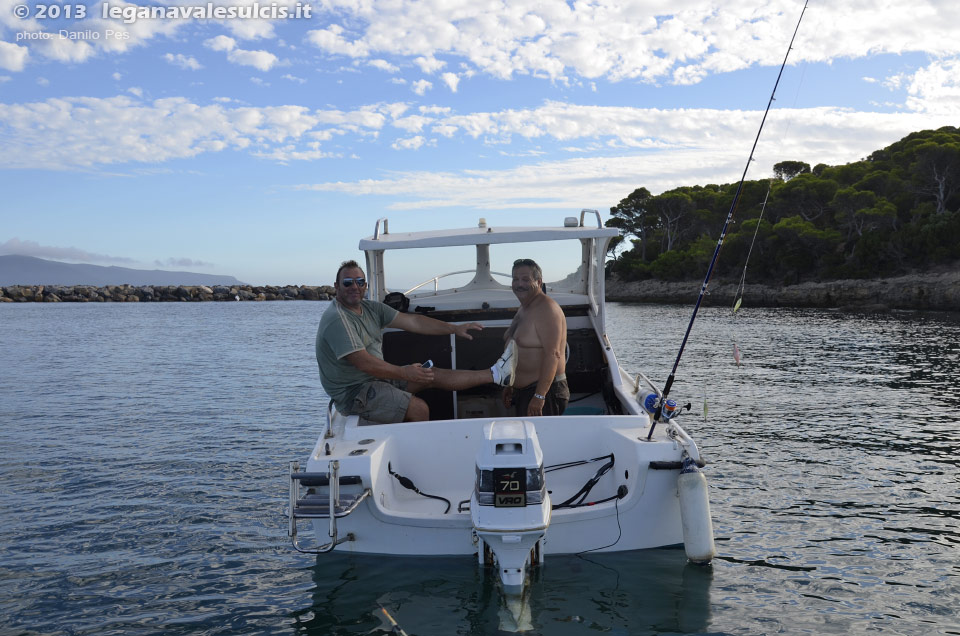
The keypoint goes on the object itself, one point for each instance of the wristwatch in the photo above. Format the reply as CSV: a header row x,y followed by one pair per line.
x,y
540,397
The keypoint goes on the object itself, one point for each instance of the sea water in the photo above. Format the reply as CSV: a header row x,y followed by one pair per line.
x,y
145,448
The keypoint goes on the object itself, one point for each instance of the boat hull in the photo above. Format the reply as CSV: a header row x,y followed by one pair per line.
x,y
635,503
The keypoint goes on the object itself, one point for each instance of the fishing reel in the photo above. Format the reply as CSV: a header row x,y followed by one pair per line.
x,y
669,409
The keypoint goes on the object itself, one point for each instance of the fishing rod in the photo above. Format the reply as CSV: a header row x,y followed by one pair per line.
x,y
723,233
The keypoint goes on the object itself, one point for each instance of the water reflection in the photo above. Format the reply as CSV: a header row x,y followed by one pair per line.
x,y
652,591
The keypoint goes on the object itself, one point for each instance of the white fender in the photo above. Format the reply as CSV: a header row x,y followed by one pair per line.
x,y
695,514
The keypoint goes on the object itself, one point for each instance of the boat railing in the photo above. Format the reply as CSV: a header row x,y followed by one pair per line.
x,y
436,279
597,212
315,506
386,227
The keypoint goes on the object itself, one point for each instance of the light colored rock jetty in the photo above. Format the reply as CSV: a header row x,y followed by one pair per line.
x,y
160,293
928,291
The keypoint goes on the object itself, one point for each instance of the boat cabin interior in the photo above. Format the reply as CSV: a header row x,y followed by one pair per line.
x,y
586,369
572,255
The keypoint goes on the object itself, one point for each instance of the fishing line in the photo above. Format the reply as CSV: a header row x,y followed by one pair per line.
x,y
738,294
741,287
723,233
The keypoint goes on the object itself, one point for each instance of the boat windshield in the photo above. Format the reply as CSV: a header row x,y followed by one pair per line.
x,y
448,268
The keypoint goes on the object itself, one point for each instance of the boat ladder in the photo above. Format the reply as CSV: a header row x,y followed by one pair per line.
x,y
314,505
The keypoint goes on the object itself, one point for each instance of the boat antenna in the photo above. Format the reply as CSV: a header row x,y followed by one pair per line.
x,y
723,234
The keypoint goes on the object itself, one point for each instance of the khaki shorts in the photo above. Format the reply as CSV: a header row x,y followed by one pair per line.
x,y
382,401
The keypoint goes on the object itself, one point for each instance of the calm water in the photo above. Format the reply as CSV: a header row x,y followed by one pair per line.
x,y
145,449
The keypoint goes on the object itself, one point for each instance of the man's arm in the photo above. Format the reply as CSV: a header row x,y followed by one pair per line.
x,y
383,370
427,326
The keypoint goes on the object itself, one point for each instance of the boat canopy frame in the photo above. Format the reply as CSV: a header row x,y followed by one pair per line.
x,y
593,240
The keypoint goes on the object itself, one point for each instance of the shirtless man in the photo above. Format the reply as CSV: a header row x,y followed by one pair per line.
x,y
540,332
349,348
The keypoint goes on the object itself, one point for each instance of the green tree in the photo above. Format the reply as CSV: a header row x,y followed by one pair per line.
x,y
936,172
786,170
801,246
859,211
630,217
672,208
807,195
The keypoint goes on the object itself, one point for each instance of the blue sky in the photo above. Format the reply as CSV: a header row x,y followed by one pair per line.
x,y
264,149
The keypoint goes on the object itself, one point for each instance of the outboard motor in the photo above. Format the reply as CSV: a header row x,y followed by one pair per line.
x,y
510,506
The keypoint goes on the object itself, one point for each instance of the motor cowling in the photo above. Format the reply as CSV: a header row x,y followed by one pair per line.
x,y
510,506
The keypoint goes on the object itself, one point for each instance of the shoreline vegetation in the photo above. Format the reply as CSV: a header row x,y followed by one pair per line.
x,y
938,291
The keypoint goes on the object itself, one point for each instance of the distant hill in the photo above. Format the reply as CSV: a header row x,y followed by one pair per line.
x,y
29,270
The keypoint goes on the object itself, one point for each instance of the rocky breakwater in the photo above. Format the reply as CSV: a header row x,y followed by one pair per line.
x,y
159,293
928,291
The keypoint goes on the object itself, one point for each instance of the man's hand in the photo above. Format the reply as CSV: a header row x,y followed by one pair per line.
x,y
462,331
535,407
416,373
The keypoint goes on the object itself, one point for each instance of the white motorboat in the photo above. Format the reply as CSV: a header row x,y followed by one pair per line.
x,y
477,481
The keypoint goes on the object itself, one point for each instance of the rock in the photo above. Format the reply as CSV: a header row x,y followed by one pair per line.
x,y
932,290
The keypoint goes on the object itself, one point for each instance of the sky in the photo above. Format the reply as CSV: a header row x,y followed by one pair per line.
x,y
262,140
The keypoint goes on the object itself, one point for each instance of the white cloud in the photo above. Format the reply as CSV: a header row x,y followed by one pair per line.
x,y
43,81
429,65
294,78
936,88
421,86
408,144
220,43
673,149
117,76
451,80
332,40
291,152
185,62
182,262
384,65
677,42
135,90
33,248
413,123
262,60
84,132
64,49
13,57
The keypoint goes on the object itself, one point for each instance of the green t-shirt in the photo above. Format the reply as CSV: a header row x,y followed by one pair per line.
x,y
342,332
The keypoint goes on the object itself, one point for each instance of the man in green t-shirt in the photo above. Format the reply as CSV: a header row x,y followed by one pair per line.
x,y
350,356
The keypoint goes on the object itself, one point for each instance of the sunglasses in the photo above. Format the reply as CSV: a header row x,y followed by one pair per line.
x,y
348,282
